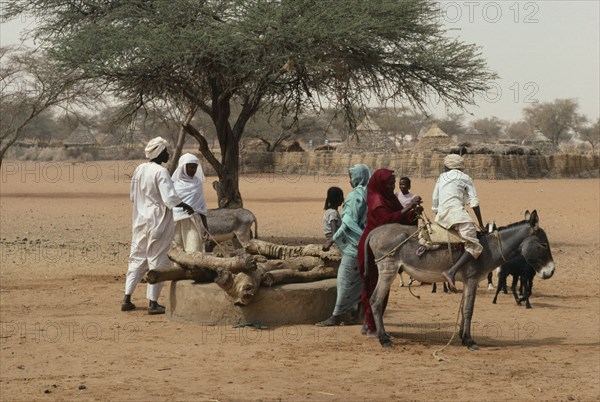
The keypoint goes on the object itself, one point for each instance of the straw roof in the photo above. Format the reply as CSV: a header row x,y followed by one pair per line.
x,y
81,136
367,124
434,132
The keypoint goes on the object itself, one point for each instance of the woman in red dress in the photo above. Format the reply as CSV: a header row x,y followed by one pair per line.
x,y
382,207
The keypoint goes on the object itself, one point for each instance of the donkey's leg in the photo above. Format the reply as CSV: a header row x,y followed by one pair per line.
x,y
501,284
526,287
513,287
387,272
469,293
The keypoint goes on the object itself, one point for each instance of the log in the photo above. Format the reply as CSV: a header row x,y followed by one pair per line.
x,y
293,276
198,261
241,287
305,263
281,252
178,273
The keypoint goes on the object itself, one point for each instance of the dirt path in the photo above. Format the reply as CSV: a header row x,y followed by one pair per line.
x,y
64,245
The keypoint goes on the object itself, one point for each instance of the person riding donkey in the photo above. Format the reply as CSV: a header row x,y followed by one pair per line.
x,y
453,190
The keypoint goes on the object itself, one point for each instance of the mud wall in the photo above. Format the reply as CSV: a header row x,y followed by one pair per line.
x,y
424,165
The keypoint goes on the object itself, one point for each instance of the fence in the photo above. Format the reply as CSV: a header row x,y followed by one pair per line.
x,y
423,165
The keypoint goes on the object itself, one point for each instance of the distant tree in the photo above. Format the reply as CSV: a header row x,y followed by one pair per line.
x,y
452,124
519,130
490,128
286,55
42,128
401,122
411,121
590,133
556,119
31,84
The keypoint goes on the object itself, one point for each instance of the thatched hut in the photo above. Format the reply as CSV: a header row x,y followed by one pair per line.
x,y
540,141
81,137
289,146
369,137
434,138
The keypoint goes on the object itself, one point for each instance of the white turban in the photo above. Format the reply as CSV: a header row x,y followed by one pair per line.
x,y
454,161
155,147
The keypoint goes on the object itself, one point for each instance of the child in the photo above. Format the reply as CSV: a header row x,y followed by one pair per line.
x,y
331,218
404,195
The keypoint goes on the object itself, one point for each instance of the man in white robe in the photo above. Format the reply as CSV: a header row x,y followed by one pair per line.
x,y
453,190
153,197
190,230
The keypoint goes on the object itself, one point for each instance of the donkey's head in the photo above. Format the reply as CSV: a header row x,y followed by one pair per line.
x,y
536,249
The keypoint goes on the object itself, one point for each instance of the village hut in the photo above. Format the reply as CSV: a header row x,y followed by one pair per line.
x,y
369,137
289,146
434,138
540,141
81,137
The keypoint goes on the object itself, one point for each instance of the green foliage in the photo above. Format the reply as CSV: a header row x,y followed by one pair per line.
x,y
489,128
590,133
279,56
556,119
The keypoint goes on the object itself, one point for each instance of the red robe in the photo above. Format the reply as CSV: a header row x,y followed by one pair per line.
x,y
382,207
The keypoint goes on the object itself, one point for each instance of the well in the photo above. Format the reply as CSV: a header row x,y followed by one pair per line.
x,y
296,303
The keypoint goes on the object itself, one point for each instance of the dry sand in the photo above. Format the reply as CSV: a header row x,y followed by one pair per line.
x,y
65,230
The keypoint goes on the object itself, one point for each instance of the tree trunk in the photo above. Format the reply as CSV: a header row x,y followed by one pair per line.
x,y
229,191
240,288
292,276
177,273
180,140
5,144
200,261
271,250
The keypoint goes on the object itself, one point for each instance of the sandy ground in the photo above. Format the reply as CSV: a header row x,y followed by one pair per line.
x,y
65,232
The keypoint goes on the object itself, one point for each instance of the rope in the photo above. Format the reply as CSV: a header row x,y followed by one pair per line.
x,y
392,251
440,358
215,241
497,236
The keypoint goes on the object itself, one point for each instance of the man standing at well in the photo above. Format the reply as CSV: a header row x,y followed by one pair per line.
x,y
153,197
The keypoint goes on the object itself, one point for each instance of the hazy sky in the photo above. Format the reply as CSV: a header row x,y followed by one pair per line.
x,y
542,50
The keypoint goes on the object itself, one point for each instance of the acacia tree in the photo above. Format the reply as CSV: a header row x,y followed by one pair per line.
x,y
284,55
590,133
490,128
554,119
31,84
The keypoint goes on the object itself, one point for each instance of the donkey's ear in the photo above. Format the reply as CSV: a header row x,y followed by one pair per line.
x,y
534,221
527,215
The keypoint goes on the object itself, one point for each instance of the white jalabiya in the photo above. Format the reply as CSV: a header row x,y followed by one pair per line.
x,y
153,197
453,190
405,199
188,228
